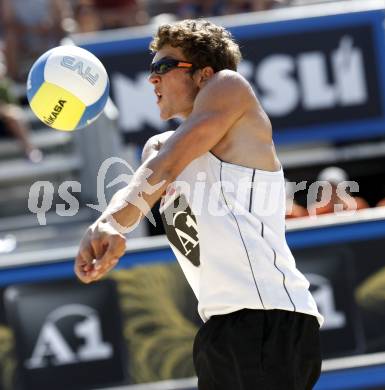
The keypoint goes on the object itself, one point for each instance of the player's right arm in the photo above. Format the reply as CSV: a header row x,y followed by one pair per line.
x,y
101,238
153,145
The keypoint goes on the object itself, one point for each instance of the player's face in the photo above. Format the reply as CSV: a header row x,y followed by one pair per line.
x,y
173,83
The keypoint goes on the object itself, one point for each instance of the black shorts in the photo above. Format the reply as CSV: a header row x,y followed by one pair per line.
x,y
258,350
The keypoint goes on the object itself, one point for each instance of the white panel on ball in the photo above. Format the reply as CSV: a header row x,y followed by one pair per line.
x,y
78,71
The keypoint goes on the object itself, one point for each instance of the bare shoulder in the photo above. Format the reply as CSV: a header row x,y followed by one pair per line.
x,y
240,93
227,87
154,143
229,79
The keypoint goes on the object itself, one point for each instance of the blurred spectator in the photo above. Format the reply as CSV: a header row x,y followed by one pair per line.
x,y
293,209
262,5
347,202
86,16
190,9
381,203
31,28
12,122
120,13
204,8
240,6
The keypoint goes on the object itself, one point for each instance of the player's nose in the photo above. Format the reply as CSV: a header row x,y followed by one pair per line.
x,y
153,78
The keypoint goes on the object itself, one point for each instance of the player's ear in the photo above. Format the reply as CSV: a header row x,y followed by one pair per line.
x,y
204,75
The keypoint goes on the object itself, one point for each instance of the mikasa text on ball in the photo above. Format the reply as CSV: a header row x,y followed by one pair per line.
x,y
67,88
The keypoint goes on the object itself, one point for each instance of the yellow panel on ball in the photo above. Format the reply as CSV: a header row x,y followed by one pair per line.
x,y
57,107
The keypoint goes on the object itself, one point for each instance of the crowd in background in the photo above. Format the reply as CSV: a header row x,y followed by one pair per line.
x,y
27,31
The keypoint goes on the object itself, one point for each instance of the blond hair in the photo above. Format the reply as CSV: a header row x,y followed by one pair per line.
x,y
203,43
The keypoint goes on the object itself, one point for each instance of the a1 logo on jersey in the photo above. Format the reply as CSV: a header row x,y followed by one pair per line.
x,y
181,228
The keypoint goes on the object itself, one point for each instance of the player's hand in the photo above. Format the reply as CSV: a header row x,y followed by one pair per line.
x,y
99,251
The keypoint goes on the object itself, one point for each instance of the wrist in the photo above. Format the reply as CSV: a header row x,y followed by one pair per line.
x,y
116,222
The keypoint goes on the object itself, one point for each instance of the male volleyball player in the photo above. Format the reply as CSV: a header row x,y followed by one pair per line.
x,y
261,324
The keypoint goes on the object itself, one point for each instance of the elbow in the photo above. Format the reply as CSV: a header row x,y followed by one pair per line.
x,y
163,169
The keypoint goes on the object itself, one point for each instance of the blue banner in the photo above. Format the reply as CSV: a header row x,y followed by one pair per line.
x,y
320,77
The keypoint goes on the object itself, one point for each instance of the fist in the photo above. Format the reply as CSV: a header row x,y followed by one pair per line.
x,y
99,251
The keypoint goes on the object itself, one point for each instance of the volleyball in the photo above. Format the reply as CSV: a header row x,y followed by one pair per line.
x,y
67,88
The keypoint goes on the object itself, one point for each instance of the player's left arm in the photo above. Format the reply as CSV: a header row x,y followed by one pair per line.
x,y
218,106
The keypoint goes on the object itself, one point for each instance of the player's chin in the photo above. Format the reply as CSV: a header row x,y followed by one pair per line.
x,y
165,116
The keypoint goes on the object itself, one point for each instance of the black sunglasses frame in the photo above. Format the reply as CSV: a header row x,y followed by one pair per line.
x,y
170,64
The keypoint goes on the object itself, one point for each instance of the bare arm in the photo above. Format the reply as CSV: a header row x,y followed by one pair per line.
x,y
219,104
153,145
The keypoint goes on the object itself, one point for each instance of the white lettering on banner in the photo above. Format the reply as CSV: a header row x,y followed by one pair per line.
x,y
324,296
281,92
94,348
133,99
348,66
317,93
51,342
283,82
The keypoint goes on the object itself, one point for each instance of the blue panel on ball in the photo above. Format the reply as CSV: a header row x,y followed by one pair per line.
x,y
95,109
36,75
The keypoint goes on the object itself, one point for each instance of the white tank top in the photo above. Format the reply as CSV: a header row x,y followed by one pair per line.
x,y
226,226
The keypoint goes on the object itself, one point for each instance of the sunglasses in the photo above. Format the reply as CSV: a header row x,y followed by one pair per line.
x,y
164,65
